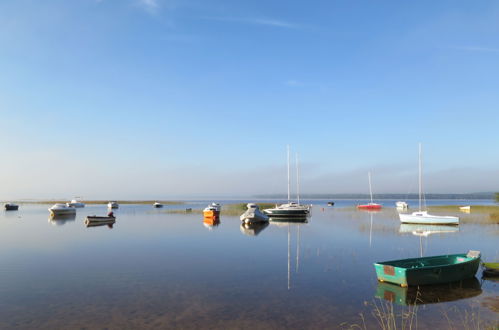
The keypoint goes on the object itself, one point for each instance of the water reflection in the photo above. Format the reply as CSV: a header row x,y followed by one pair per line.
x,y
429,294
211,222
426,230
288,223
253,229
284,221
59,220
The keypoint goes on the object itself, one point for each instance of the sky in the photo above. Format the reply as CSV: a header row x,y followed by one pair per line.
x,y
116,99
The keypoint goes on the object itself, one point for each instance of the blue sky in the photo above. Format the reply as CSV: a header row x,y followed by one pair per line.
x,y
165,98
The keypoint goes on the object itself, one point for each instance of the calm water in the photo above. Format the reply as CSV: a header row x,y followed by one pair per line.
x,y
160,270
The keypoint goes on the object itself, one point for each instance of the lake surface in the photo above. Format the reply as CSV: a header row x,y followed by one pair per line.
x,y
154,269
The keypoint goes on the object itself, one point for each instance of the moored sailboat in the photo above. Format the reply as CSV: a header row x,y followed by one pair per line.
x,y
290,209
371,205
423,217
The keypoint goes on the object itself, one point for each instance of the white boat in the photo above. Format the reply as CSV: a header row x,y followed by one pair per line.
x,y
75,203
157,205
253,215
402,205
465,209
423,217
290,209
113,205
61,209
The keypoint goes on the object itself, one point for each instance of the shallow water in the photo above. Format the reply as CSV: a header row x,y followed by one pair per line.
x,y
158,270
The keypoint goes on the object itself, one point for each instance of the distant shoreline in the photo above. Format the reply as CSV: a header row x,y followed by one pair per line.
x,y
99,202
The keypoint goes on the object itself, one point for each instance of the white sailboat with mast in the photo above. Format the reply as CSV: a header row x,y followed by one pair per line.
x,y
423,217
290,209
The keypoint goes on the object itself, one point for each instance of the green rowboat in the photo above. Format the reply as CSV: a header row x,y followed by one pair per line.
x,y
429,270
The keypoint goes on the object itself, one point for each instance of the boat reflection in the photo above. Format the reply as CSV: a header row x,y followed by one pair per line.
x,y
426,230
253,229
288,223
59,220
211,222
429,294
286,220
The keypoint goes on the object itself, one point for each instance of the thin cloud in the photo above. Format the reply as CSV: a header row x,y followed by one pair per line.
x,y
257,21
294,83
478,49
150,6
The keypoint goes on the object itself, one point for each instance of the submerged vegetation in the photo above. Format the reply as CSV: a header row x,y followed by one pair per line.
x,y
387,316
227,209
481,214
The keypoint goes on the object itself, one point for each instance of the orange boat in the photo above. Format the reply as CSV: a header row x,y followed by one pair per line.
x,y
212,210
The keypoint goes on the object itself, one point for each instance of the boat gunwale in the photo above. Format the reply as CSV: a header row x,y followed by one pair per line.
x,y
390,262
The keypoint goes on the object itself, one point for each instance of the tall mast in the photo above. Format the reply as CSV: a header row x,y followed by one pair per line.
x,y
297,180
420,178
289,184
370,189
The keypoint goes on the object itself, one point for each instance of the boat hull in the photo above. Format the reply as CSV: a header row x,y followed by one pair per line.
x,y
211,213
428,270
99,219
369,207
10,207
69,211
275,213
253,216
77,205
428,219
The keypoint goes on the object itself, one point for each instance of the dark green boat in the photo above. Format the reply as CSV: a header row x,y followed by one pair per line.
x,y
429,270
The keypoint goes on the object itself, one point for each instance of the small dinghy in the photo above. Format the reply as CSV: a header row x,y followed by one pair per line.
x,y
429,270
402,205
465,209
157,205
491,269
113,205
94,218
11,207
62,209
330,203
253,215
75,203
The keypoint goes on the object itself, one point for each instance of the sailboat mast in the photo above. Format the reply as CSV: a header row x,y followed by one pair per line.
x,y
370,189
420,178
289,184
297,180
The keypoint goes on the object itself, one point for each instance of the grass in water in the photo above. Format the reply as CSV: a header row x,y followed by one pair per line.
x,y
227,209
